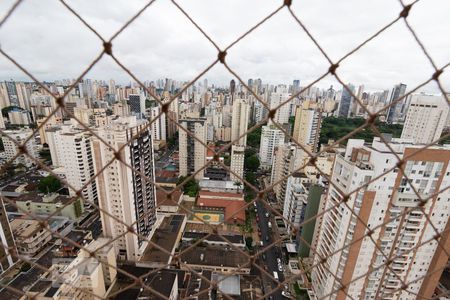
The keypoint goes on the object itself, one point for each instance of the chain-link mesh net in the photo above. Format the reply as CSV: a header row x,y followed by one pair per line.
x,y
247,260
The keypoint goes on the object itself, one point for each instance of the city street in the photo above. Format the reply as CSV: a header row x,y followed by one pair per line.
x,y
271,254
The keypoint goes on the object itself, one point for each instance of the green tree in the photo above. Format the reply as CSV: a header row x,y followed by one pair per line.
x,y
49,184
45,155
252,163
254,137
190,188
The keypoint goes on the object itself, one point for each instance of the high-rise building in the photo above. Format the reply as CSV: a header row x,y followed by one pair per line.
x,y
158,125
192,152
8,251
20,136
137,104
271,137
390,207
295,86
287,158
307,127
126,194
346,101
71,149
237,162
395,110
279,96
425,119
295,201
239,121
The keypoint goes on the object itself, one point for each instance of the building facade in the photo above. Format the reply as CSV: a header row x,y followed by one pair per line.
x,y
192,150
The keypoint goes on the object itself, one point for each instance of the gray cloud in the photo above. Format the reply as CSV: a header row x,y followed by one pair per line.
x,y
51,43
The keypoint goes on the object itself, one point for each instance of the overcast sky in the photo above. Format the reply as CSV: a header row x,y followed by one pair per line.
x,y
50,42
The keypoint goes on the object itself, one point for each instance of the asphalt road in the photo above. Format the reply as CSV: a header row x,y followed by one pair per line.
x,y
272,253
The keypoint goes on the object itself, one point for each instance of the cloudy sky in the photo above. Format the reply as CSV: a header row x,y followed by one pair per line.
x,y
52,43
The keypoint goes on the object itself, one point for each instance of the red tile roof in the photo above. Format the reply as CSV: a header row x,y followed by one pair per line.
x,y
161,198
234,209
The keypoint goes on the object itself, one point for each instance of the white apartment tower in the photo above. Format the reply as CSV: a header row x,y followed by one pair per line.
x,y
389,207
425,119
237,162
20,136
126,194
70,148
287,158
239,121
279,96
158,125
192,150
295,201
271,137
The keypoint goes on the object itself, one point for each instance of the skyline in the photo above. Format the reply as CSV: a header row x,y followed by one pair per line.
x,y
278,51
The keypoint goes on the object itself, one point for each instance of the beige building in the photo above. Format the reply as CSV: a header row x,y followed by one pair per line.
x,y
127,195
30,236
8,255
239,121
425,119
307,127
20,136
38,204
237,162
389,200
192,150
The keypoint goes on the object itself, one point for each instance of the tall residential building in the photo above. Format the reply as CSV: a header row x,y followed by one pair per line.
x,y
71,149
287,158
279,96
239,121
295,201
425,119
271,137
8,251
158,126
124,193
137,104
346,101
390,207
192,152
237,162
394,113
20,136
307,127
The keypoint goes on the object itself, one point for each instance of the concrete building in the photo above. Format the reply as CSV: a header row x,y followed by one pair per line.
x,y
158,125
39,204
192,150
239,121
388,199
345,102
396,109
30,237
279,96
8,251
20,136
19,117
71,148
271,137
295,201
286,160
237,162
137,104
425,119
126,194
307,127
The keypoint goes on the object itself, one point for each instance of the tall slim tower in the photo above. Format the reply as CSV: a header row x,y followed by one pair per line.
x,y
307,127
395,109
239,121
346,101
125,193
191,151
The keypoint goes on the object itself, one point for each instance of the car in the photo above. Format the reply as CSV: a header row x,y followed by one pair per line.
x,y
256,210
257,219
278,260
254,204
286,294
261,243
259,233
267,238
267,214
264,256
280,268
